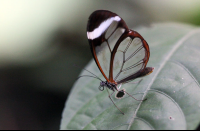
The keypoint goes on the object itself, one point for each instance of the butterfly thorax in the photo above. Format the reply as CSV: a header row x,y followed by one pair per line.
x,y
109,85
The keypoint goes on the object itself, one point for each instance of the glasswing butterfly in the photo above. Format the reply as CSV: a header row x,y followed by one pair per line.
x,y
121,54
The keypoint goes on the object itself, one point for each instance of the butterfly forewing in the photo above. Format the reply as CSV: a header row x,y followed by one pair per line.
x,y
103,56
103,37
115,36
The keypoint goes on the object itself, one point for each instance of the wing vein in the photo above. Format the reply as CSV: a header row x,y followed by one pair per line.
x,y
128,45
134,53
133,66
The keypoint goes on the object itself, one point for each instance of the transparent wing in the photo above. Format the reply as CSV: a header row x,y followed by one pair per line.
x,y
103,56
104,51
131,57
102,36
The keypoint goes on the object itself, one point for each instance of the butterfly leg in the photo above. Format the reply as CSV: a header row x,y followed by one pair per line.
x,y
113,101
119,87
134,97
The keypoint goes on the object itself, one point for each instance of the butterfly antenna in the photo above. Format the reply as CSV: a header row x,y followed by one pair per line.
x,y
88,76
89,72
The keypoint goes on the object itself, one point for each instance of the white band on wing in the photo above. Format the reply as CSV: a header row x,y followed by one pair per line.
x,y
103,26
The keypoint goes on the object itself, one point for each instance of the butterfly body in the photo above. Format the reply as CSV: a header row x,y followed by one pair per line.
x,y
109,85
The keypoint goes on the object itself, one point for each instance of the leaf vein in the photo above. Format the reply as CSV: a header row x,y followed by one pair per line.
x,y
171,52
185,68
163,93
146,122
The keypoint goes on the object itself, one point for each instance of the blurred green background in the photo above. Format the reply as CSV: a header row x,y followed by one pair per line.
x,y
42,40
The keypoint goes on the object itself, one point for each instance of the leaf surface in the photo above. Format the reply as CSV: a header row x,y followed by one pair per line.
x,y
172,90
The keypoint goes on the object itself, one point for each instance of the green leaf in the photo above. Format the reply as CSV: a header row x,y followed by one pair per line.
x,y
172,90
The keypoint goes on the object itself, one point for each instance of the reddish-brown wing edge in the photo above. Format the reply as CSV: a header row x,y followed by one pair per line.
x,y
98,41
96,59
132,34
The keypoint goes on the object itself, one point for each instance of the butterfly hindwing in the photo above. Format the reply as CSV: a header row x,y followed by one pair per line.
x,y
131,56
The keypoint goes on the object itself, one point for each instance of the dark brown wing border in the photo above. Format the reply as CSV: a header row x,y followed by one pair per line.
x,y
132,34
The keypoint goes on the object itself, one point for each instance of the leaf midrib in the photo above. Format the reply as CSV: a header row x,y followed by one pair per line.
x,y
171,52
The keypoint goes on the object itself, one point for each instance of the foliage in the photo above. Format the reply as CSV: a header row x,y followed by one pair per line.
x,y
172,90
